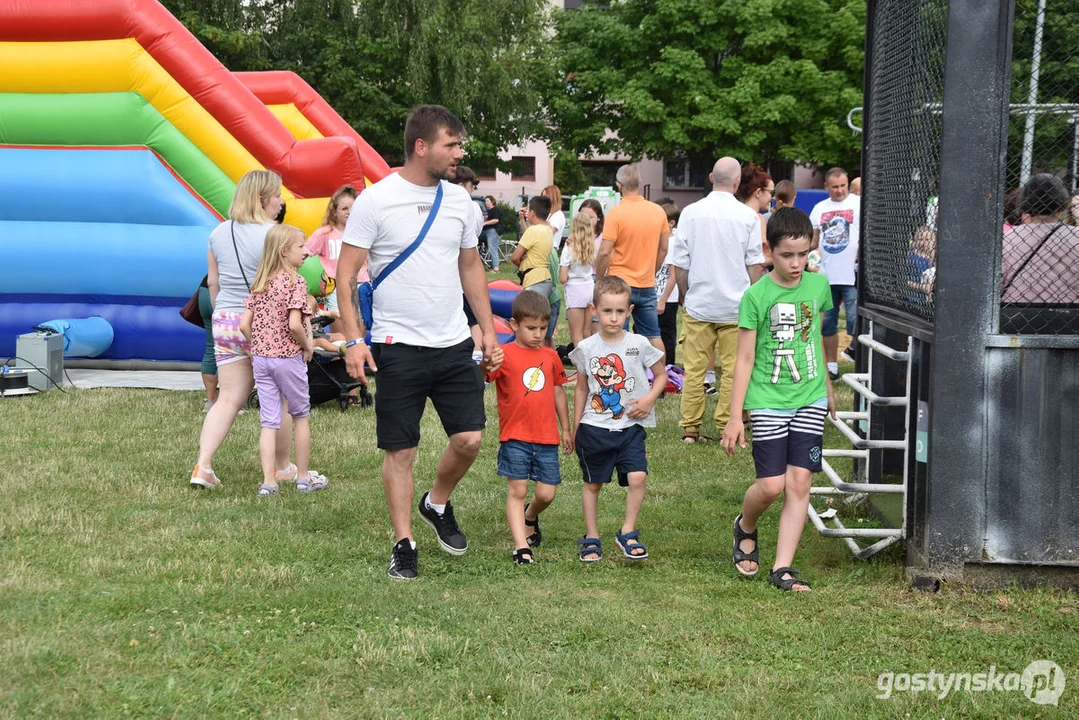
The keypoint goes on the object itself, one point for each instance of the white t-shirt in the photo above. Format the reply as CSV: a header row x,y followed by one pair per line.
x,y
557,221
666,273
717,238
250,240
840,228
477,218
420,304
578,274
617,373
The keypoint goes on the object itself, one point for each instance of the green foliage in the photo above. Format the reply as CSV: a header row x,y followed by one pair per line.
x,y
484,59
1058,83
772,79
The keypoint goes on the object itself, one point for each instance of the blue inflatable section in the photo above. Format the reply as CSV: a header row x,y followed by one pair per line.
x,y
806,199
83,338
101,233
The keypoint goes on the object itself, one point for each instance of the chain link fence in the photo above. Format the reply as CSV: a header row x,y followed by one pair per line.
x,y
902,155
1040,245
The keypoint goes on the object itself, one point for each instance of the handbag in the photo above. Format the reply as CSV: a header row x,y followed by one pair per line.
x,y
191,312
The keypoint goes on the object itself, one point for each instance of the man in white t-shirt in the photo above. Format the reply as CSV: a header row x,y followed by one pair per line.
x,y
421,346
837,224
717,257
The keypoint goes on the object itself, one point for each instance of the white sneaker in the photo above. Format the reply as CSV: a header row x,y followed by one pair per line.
x,y
845,357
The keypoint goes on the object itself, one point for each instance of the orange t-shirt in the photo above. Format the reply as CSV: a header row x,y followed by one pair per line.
x,y
635,226
526,383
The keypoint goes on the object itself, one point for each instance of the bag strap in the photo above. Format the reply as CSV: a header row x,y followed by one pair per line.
x,y
375,282
1028,258
232,227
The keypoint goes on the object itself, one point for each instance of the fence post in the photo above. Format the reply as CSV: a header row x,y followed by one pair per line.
x,y
973,148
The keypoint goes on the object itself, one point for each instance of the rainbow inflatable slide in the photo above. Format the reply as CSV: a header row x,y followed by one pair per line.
x,y
121,141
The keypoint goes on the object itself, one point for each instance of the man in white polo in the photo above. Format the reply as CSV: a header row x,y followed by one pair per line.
x,y
717,256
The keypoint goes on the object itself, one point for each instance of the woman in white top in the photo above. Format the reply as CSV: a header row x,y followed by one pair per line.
x,y
557,218
233,258
575,272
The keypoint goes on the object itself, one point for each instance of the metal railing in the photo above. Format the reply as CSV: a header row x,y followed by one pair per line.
x,y
862,449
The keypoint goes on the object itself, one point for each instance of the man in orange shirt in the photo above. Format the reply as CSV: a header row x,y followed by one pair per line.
x,y
635,234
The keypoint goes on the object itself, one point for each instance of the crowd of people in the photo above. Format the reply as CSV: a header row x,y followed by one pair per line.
x,y
735,262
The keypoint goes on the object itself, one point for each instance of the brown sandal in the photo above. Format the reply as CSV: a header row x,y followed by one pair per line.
x,y
694,438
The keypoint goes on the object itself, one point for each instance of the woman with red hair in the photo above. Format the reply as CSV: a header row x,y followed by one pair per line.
x,y
755,191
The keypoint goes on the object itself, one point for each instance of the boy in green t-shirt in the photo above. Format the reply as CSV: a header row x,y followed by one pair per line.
x,y
781,379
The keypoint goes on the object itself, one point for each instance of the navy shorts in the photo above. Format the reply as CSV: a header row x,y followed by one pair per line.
x,y
601,451
408,375
787,437
519,460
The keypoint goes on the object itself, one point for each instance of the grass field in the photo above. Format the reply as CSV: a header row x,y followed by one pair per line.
x,y
125,593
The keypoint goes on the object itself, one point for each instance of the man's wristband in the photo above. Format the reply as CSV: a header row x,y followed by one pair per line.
x,y
350,343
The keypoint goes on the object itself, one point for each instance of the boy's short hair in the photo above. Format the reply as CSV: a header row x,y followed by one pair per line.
x,y
785,191
788,222
541,205
424,122
671,208
530,304
611,285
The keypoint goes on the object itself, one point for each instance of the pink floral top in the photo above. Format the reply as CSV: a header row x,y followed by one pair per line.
x,y
270,334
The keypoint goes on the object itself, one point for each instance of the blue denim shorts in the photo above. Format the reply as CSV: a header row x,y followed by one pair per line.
x,y
848,295
645,319
518,460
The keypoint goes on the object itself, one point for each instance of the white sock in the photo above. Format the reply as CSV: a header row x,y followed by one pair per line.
x,y
710,377
833,368
440,509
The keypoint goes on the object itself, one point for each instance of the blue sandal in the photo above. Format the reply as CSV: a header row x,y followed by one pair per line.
x,y
629,542
591,549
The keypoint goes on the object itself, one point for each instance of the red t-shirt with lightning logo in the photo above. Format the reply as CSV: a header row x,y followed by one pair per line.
x,y
526,383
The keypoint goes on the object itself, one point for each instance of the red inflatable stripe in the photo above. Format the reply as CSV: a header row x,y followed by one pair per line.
x,y
281,87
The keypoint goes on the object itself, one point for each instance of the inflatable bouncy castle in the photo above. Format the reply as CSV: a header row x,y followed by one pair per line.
x,y
121,141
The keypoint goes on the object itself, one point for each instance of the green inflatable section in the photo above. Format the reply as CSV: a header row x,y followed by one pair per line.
x,y
109,120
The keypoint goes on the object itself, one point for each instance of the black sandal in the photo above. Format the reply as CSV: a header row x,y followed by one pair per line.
x,y
776,578
536,537
522,556
742,556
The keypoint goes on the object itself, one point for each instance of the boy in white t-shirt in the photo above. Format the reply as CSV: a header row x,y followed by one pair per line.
x,y
837,225
612,406
667,288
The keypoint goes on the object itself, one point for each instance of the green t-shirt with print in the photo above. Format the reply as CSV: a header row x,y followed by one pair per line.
x,y
788,368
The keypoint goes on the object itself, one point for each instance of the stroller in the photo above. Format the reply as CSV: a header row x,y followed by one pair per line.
x,y
327,378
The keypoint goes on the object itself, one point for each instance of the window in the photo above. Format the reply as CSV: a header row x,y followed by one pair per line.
x,y
484,170
679,173
523,168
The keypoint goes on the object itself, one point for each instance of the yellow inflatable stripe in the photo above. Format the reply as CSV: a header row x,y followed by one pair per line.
x,y
295,121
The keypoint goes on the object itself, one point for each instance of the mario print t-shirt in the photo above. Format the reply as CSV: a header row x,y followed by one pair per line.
x,y
617,373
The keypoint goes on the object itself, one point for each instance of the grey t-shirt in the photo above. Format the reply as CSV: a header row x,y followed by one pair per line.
x,y
250,239
617,373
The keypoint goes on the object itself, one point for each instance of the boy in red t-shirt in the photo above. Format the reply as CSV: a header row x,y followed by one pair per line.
x,y
531,408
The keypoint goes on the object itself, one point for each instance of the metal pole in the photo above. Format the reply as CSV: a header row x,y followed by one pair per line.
x,y
1032,96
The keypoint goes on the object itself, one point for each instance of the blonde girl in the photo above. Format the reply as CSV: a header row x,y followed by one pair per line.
x,y
232,260
326,241
275,323
576,272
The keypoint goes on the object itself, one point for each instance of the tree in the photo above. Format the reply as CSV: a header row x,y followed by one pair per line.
x,y
486,60
764,80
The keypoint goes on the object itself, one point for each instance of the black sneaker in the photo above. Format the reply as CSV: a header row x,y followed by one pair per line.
x,y
450,536
403,561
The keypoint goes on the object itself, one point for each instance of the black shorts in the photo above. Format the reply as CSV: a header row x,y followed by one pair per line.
x,y
600,451
408,375
469,315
